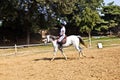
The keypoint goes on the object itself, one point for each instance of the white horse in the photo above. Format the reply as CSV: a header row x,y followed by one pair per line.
x,y
70,40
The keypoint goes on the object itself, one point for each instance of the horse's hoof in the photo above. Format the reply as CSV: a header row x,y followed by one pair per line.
x,y
65,58
84,56
51,59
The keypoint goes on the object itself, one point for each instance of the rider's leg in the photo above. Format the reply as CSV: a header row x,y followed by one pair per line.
x,y
60,41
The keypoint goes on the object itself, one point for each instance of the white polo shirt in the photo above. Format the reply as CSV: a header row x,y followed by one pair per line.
x,y
62,31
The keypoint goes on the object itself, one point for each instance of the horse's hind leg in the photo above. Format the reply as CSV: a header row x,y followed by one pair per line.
x,y
81,54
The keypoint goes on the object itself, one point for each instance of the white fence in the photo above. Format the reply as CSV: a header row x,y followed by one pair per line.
x,y
15,47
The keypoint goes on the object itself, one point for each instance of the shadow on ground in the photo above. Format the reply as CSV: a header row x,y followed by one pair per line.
x,y
62,58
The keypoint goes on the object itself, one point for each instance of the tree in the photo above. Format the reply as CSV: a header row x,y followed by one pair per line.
x,y
111,16
27,14
7,9
79,13
89,21
86,15
33,15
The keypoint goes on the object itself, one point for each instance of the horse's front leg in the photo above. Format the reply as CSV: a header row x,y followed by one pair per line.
x,y
54,54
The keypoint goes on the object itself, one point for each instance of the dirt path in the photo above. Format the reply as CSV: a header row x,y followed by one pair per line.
x,y
100,64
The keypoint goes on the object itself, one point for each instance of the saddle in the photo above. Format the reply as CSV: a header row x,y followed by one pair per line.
x,y
64,40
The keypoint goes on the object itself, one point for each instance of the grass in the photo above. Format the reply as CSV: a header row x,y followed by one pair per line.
x,y
106,41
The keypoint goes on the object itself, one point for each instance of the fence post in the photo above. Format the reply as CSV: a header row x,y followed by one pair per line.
x,y
15,49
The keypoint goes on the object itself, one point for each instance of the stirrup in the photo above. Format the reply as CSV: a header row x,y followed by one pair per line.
x,y
60,46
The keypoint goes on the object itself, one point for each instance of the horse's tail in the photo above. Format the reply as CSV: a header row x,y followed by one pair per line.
x,y
81,41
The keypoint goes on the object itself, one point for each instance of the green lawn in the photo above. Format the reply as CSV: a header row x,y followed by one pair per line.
x,y
106,41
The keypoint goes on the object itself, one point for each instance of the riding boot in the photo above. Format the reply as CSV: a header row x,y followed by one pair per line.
x,y
60,44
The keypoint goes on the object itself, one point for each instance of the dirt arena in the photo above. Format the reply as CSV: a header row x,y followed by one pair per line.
x,y
99,64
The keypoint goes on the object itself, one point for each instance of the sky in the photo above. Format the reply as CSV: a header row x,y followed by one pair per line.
x,y
116,2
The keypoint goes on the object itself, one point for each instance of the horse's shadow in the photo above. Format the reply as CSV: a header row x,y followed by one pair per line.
x,y
62,58
49,59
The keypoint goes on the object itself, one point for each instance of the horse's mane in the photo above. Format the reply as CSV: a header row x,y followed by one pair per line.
x,y
53,37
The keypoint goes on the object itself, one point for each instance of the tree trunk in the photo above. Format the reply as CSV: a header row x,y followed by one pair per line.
x,y
28,36
90,43
28,26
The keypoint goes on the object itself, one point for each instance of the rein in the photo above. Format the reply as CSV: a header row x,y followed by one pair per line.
x,y
54,37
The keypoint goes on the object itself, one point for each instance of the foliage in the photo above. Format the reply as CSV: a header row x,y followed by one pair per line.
x,y
32,15
111,15
8,10
89,19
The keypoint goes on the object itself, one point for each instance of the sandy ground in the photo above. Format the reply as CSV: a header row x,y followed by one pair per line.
x,y
99,64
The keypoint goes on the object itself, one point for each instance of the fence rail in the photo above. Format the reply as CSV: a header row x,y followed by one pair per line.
x,y
15,47
21,46
42,44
